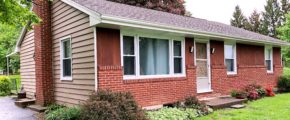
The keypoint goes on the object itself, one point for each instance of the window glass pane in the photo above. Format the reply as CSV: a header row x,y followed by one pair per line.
x,y
129,65
268,64
177,65
268,54
66,49
67,67
128,45
154,56
177,48
201,70
229,53
230,65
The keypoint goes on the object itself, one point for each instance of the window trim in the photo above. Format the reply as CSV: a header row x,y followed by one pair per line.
x,y
271,58
67,38
137,56
235,57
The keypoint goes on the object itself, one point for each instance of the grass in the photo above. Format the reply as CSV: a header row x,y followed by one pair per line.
x,y
270,108
286,71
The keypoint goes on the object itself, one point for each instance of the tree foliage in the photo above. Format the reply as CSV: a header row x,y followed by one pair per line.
x,y
272,17
171,6
284,34
238,20
16,12
8,37
255,22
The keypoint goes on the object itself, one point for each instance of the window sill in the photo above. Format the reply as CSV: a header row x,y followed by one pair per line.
x,y
153,79
232,74
270,73
66,79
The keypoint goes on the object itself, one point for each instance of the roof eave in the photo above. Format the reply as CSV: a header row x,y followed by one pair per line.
x,y
144,24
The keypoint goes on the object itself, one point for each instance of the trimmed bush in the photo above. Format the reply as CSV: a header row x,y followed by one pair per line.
x,y
239,94
108,105
173,114
284,83
53,107
64,113
5,86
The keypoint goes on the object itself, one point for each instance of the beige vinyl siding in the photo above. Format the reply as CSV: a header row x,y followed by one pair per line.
x,y
27,64
68,21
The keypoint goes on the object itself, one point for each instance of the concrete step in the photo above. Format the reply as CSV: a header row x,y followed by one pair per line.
x,y
36,108
23,103
224,102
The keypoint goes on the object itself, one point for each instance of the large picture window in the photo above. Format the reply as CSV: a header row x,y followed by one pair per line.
x,y
230,58
268,59
66,59
152,57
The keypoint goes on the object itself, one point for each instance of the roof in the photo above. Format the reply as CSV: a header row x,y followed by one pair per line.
x,y
113,9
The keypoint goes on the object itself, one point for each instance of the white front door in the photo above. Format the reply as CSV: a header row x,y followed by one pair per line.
x,y
203,68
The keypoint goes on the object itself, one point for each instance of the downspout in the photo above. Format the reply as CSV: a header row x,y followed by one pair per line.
x,y
95,58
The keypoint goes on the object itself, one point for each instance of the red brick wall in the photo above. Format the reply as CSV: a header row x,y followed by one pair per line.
x,y
43,53
147,92
150,92
251,68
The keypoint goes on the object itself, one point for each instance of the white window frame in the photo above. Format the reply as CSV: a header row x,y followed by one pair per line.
x,y
137,56
271,58
65,78
235,57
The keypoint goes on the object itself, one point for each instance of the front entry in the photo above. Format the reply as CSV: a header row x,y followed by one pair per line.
x,y
202,67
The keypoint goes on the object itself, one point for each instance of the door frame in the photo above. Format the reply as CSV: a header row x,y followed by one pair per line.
x,y
207,41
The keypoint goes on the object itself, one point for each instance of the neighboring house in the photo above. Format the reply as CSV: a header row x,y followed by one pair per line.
x,y
87,45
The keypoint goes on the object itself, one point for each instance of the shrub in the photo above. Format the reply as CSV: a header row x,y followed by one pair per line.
x,y
173,114
108,105
191,101
270,92
239,94
201,107
5,86
253,95
64,113
261,92
234,93
284,83
53,107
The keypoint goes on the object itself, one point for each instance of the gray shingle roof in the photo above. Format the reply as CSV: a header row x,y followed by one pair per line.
x,y
105,7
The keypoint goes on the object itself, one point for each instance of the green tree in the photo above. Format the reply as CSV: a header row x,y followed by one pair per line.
x,y
8,37
272,18
16,12
238,20
284,34
255,22
285,8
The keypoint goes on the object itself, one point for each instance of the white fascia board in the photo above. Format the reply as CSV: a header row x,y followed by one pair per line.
x,y
95,17
143,24
20,39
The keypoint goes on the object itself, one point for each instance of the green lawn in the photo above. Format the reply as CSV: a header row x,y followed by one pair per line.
x,y
270,108
286,71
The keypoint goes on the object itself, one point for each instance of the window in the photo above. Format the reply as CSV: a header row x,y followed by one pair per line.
x,y
129,55
145,57
177,46
230,58
66,60
268,59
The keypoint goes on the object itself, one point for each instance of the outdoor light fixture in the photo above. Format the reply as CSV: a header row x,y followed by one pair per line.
x,y
212,50
191,49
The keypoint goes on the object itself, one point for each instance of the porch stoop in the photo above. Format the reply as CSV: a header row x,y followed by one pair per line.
x,y
23,103
223,102
36,108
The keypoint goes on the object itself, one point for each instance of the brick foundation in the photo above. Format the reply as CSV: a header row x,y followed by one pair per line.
x,y
149,92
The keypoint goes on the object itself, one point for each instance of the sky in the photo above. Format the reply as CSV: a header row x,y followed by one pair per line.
x,y
222,10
